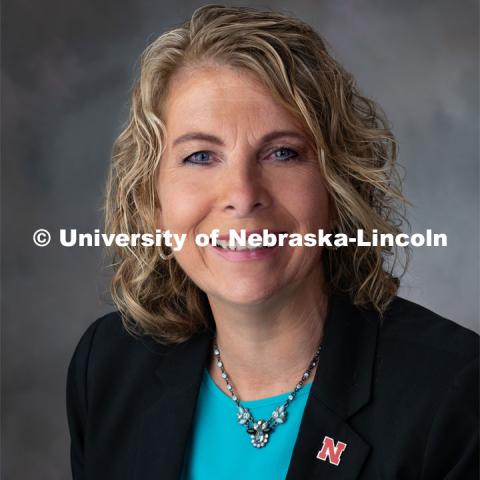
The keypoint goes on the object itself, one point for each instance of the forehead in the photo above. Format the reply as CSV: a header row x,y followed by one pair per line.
x,y
221,96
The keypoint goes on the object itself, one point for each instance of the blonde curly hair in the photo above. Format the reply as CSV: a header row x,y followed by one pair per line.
x,y
355,148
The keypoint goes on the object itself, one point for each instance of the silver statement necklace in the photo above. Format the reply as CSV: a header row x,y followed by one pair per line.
x,y
259,430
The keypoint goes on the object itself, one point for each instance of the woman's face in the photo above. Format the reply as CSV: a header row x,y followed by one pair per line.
x,y
236,159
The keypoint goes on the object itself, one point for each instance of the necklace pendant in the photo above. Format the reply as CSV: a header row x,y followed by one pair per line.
x,y
259,433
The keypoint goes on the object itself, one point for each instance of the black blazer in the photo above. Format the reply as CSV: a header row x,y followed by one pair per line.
x,y
402,395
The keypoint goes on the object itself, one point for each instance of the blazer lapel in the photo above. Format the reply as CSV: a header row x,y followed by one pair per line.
x,y
319,423
165,428
341,386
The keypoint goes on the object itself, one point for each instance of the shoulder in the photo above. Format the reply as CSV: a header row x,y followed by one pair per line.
x,y
107,342
426,388
108,359
110,383
414,327
423,358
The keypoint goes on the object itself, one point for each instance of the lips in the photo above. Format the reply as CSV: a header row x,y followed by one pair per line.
x,y
226,236
246,255
244,242
244,248
237,247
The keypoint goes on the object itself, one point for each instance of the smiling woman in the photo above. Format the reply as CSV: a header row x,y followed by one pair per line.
x,y
286,362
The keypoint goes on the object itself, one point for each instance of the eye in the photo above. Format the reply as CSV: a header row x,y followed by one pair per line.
x,y
284,154
198,158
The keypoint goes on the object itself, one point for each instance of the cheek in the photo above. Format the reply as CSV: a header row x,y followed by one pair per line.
x,y
183,204
318,205
307,200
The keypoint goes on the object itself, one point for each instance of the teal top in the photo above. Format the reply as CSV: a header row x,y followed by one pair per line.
x,y
220,447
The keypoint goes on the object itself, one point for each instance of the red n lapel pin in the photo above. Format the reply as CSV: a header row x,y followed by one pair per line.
x,y
331,451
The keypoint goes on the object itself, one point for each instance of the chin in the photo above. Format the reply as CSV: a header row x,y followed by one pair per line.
x,y
252,294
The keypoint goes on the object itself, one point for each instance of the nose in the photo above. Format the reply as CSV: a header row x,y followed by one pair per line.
x,y
245,189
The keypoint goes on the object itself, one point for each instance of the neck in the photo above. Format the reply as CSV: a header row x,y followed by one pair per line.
x,y
265,348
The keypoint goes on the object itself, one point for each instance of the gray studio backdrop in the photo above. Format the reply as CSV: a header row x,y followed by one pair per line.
x,y
67,67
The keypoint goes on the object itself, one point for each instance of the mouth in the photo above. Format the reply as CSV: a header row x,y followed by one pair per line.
x,y
268,241
237,248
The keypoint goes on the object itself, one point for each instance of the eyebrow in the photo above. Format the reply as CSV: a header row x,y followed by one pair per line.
x,y
217,141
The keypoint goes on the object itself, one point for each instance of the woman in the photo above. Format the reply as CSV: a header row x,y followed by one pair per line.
x,y
285,362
